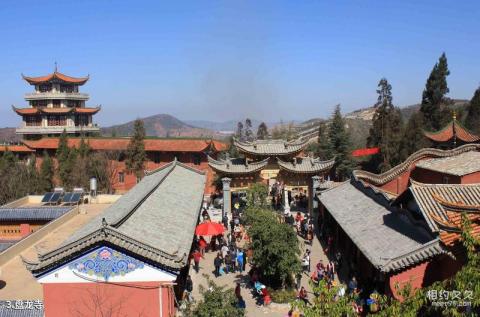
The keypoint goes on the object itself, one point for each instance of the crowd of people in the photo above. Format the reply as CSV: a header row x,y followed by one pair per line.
x,y
232,255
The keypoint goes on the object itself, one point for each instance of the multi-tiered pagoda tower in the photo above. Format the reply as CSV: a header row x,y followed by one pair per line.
x,y
56,105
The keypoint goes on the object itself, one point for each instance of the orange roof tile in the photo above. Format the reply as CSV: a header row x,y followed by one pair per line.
x,y
88,110
16,148
160,145
24,111
56,75
454,128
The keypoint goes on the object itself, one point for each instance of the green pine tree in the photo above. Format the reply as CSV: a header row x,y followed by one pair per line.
x,y
262,131
472,122
414,139
83,149
64,159
248,130
433,98
386,130
340,146
33,177
46,174
323,148
136,155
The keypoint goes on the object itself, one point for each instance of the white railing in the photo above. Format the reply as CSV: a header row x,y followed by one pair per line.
x,y
24,129
56,95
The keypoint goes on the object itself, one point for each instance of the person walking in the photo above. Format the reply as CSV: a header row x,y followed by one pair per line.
x,y
306,262
240,260
228,262
217,262
188,288
237,291
197,255
244,260
202,244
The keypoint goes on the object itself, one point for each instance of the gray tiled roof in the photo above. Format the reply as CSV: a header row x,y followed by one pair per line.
x,y
33,213
156,219
236,165
460,165
387,239
379,179
306,165
469,194
271,147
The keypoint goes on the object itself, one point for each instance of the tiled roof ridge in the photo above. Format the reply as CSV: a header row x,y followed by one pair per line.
x,y
445,225
300,142
424,252
456,206
372,191
379,179
122,218
103,234
57,75
463,133
449,125
326,164
220,165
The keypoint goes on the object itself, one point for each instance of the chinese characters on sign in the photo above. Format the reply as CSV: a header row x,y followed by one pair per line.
x,y
443,298
22,304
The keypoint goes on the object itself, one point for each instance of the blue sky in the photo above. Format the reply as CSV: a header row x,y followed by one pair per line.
x,y
221,60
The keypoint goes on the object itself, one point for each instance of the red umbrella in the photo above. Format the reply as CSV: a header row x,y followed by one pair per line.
x,y
209,229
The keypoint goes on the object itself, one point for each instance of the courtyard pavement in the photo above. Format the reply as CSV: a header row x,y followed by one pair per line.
x,y
230,280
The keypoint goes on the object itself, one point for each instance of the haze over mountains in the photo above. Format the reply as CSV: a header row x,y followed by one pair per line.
x,y
165,125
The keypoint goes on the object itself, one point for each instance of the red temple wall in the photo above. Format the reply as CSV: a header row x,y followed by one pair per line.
x,y
99,299
397,185
432,177
424,274
471,178
162,158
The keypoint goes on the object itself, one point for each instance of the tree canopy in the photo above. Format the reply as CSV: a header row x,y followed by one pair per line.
x,y
472,122
340,146
136,155
262,131
433,97
217,301
386,130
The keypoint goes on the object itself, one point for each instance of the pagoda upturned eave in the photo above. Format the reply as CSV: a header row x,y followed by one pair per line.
x,y
273,147
237,166
306,165
452,130
33,111
56,76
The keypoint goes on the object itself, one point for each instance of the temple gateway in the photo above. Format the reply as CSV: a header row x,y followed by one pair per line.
x,y
274,163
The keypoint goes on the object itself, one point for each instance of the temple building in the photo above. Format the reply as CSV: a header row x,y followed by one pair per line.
x,y
56,105
272,162
132,258
415,208
160,151
452,135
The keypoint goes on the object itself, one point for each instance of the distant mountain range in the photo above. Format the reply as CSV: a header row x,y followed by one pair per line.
x,y
162,125
8,135
228,126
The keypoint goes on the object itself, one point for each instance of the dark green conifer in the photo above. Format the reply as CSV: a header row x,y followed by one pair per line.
x,y
136,155
340,146
262,131
386,130
433,98
472,122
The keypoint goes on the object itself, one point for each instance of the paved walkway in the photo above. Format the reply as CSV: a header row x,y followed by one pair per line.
x,y
230,280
